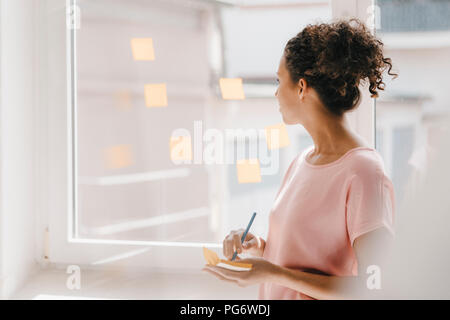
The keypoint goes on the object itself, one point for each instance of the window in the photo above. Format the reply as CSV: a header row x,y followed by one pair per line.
x,y
144,72
414,15
127,187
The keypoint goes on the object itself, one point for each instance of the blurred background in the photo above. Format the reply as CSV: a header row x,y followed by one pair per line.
x,y
195,44
217,39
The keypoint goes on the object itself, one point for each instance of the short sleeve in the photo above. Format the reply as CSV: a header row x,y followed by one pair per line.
x,y
370,203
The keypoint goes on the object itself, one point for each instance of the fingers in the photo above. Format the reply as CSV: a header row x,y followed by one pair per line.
x,y
232,243
237,245
228,246
228,274
248,244
225,246
254,242
219,276
249,236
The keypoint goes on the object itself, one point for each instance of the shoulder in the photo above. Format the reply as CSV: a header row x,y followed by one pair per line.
x,y
367,178
366,163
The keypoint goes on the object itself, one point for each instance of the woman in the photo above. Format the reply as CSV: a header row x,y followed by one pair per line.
x,y
333,215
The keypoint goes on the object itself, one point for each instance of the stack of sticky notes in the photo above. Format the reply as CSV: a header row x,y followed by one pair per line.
x,y
213,259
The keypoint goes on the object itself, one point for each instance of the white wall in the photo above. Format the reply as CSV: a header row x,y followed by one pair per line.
x,y
17,110
255,38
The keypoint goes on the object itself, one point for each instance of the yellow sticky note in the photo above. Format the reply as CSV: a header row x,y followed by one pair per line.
x,y
180,148
119,156
156,95
210,256
142,49
248,171
277,136
213,259
231,88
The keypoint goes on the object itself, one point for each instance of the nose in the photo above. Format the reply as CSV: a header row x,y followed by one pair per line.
x,y
276,92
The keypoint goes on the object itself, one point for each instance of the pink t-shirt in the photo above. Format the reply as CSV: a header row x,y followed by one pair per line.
x,y
320,210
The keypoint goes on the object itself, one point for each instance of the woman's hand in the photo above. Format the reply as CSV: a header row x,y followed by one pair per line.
x,y
252,244
262,271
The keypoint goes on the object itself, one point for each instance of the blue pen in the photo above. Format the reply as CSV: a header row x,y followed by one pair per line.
x,y
245,234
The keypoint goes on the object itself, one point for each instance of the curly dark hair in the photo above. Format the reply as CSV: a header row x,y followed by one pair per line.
x,y
334,58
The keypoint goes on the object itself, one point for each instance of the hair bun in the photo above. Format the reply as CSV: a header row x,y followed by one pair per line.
x,y
334,58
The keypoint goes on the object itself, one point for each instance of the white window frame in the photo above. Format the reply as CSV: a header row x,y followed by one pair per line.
x,y
56,158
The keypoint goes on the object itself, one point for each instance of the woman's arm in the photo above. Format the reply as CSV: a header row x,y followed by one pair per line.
x,y
370,249
318,286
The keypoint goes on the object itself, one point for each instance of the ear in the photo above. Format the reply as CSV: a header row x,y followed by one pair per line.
x,y
301,85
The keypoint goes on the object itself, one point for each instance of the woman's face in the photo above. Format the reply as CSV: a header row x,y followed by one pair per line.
x,y
289,95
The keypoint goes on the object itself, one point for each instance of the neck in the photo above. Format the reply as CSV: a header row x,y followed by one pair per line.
x,y
331,134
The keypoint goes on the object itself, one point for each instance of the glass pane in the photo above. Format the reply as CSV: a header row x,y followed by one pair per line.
x,y
149,95
409,113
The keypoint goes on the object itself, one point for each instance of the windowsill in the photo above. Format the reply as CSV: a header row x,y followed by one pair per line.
x,y
96,284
